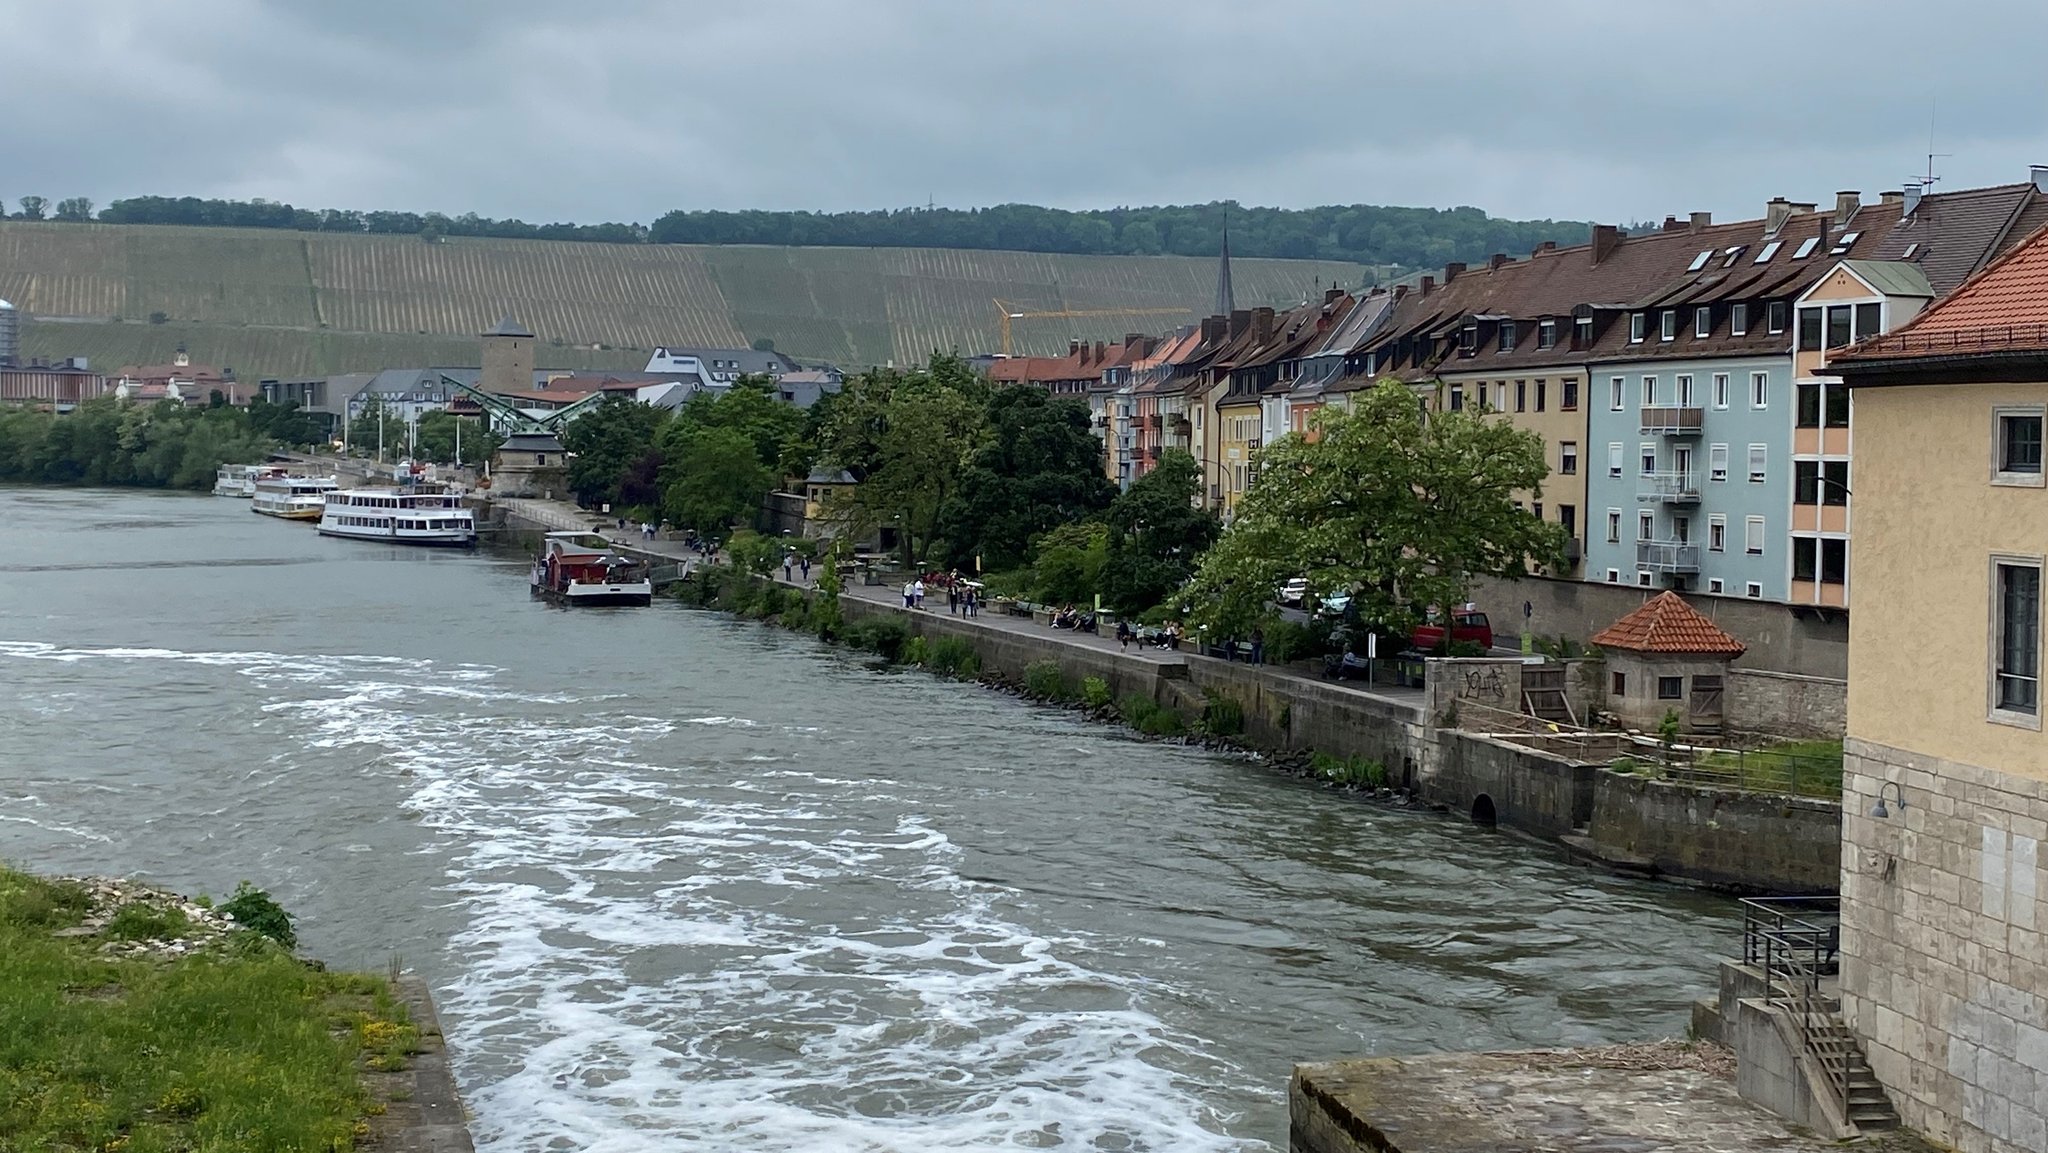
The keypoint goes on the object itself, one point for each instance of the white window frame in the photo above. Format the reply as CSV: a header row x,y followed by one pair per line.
x,y
1738,314
1646,525
1717,463
1667,325
1703,321
1714,585
1649,389
1614,576
1613,526
1993,713
1753,590
1638,326
1642,578
1999,415
1753,538
1717,532
1617,389
1646,458
1683,382
1568,454
1721,390
1615,462
1759,463
1759,390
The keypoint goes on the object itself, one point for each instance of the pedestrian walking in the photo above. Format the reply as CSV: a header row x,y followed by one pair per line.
x,y
788,563
909,595
806,562
917,593
1258,646
1123,633
953,599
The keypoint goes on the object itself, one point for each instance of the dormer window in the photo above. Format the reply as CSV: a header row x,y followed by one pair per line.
x,y
1582,329
1507,336
1667,325
1703,321
1635,328
1546,334
1738,319
1468,338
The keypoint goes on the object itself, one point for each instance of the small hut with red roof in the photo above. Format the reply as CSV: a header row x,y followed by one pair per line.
x,y
1667,657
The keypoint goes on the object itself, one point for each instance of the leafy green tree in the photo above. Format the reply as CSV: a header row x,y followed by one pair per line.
x,y
751,408
906,437
33,207
286,423
713,478
434,438
1401,509
1157,530
607,444
1037,467
363,429
74,209
1067,568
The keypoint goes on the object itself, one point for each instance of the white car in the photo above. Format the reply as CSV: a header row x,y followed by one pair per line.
x,y
1333,606
1294,592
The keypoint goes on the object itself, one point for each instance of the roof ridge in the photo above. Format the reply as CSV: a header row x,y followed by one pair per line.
x,y
1960,291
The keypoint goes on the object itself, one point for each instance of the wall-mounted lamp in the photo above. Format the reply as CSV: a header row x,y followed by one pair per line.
x,y
1878,809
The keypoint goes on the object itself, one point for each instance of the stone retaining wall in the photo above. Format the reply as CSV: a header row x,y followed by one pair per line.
x,y
1759,842
1787,705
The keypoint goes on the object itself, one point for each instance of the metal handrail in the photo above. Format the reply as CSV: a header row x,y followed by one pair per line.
x,y
1794,942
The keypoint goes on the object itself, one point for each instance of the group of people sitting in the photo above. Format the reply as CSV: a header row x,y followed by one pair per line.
x,y
1069,617
1167,637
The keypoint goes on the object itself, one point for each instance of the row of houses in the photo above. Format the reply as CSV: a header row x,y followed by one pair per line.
x,y
1679,378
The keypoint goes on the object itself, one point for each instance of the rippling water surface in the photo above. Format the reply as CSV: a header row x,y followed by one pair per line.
x,y
686,883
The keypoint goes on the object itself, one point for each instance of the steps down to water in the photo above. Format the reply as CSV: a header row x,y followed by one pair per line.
x,y
1831,1044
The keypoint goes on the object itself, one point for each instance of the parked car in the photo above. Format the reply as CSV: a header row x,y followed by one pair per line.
x,y
1294,592
1466,625
1333,605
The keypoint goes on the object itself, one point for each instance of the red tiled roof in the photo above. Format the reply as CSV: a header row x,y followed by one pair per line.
x,y
2003,309
1666,624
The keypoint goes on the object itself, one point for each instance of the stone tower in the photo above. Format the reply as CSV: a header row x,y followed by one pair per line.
x,y
508,358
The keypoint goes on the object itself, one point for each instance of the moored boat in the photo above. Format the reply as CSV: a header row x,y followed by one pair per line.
x,y
570,572
293,497
237,479
398,516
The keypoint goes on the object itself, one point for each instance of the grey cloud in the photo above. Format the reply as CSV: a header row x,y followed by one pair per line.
x,y
622,110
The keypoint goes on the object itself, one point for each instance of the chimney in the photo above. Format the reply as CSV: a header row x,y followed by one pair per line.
x,y
1606,238
1889,197
1131,339
2038,173
1701,220
1494,262
1100,352
1910,195
1776,213
1262,325
1400,290
1804,207
1240,319
1332,295
1671,224
1546,246
1846,204
1452,270
1428,283
1074,348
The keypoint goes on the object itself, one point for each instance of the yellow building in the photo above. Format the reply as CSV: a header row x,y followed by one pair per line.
x,y
1944,939
1543,400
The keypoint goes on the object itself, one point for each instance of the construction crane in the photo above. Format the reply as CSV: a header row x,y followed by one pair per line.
x,y
509,419
1010,313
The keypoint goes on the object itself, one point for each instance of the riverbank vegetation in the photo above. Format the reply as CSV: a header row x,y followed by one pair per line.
x,y
132,1020
156,445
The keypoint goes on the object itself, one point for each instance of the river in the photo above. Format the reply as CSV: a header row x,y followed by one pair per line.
x,y
682,882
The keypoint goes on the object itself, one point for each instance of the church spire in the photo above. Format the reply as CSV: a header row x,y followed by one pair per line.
x,y
1226,300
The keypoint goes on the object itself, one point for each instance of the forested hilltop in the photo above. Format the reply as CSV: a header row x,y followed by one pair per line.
x,y
1357,233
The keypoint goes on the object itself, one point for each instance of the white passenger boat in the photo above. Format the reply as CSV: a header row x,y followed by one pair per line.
x,y
237,479
293,497
398,516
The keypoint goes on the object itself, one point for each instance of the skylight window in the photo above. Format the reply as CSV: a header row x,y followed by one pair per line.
x,y
1700,261
1769,251
1806,248
1844,243
1910,250
1731,252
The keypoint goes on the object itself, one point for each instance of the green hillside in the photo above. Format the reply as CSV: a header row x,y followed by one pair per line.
x,y
278,303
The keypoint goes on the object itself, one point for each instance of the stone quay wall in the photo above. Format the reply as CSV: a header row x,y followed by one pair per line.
x,y
1944,961
1760,842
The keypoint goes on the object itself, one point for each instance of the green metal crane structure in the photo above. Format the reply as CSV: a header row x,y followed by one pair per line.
x,y
511,421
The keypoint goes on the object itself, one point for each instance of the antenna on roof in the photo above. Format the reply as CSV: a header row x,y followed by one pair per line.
x,y
1928,180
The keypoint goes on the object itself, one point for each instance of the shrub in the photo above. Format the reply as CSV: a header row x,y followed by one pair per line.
x,y
1222,717
254,910
138,921
1149,717
34,903
1354,771
1044,680
884,638
955,656
1095,692
916,652
1288,641
798,615
1467,649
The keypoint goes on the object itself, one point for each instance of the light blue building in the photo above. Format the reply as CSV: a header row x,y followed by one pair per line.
x,y
1690,474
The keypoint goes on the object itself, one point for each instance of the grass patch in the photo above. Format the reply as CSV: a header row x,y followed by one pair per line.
x,y
1222,717
1361,772
137,921
955,656
1045,681
1795,768
1150,718
1095,692
229,1049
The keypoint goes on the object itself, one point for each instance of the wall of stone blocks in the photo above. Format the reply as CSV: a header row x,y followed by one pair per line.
x,y
1787,704
1944,971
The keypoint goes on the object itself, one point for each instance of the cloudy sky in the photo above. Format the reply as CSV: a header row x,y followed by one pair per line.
x,y
623,109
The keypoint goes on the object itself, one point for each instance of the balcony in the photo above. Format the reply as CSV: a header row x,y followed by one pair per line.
x,y
1672,419
1154,421
1669,556
1670,488
1182,426
1151,452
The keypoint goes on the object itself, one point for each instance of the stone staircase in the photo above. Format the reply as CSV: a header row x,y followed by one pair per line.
x,y
1835,1049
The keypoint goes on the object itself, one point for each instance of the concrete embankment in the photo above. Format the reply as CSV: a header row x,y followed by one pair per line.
x,y
423,1111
